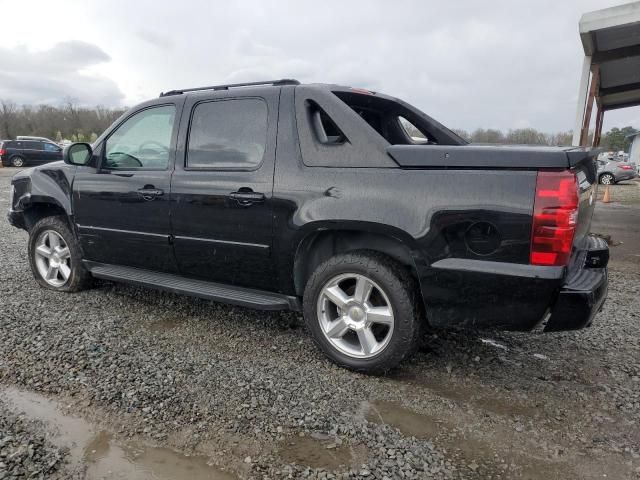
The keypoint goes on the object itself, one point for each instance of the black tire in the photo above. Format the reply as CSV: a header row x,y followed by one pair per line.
x,y
17,161
607,176
79,278
402,292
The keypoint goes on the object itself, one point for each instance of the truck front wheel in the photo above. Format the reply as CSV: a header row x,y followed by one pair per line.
x,y
363,311
55,256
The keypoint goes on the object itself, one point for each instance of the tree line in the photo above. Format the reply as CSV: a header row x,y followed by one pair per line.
x,y
615,139
65,122
78,124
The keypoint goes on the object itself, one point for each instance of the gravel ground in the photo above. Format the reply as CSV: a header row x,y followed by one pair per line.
x,y
248,389
625,192
25,450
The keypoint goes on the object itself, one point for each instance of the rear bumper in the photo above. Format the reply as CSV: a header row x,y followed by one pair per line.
x,y
622,175
505,296
584,292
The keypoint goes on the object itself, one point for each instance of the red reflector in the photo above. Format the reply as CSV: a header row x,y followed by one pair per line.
x,y
555,215
626,167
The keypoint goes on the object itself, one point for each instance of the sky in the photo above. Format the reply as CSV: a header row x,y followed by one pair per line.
x,y
468,63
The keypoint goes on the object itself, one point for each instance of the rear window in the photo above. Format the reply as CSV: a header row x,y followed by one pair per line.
x,y
228,134
398,122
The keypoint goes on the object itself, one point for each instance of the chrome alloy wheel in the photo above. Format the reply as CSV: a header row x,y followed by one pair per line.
x,y
52,258
355,315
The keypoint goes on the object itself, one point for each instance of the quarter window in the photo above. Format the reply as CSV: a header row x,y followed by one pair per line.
x,y
228,134
412,131
142,141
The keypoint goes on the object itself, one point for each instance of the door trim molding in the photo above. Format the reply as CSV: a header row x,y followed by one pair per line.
x,y
115,230
258,247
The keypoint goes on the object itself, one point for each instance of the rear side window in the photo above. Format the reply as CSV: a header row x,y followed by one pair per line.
x,y
33,145
228,134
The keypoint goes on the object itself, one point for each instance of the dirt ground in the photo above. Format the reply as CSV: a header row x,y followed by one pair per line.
x,y
120,382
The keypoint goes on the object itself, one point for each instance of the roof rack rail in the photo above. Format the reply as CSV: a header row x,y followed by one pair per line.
x,y
275,83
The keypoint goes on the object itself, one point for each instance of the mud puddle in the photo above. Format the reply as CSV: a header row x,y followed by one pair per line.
x,y
476,396
321,452
100,455
496,452
408,422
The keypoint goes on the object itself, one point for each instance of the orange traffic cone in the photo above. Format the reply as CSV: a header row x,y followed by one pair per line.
x,y
607,195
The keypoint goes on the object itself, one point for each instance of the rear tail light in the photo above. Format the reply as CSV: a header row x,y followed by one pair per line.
x,y
2,151
626,167
555,216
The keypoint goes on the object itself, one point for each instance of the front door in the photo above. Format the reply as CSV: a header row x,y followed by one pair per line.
x,y
122,205
51,152
221,192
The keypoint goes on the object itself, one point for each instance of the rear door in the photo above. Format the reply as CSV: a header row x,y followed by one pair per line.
x,y
122,205
221,191
33,152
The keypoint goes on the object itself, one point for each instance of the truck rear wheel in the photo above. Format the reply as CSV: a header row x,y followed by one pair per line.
x,y
363,312
55,256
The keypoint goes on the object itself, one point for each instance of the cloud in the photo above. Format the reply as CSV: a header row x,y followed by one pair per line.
x,y
56,74
156,39
469,64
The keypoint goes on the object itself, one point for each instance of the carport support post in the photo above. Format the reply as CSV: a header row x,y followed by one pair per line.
x,y
595,84
582,100
598,133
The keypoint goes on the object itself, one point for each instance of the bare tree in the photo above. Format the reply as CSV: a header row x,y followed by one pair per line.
x,y
8,110
66,122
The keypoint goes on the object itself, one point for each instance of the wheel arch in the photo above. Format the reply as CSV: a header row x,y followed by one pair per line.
x,y
322,242
36,211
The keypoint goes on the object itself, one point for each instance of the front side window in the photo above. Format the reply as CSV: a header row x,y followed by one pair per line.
x,y
142,141
228,134
50,147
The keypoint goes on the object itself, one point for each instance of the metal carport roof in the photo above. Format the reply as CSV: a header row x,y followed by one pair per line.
x,y
611,67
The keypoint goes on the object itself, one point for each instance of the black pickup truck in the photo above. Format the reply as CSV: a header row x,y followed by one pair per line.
x,y
354,207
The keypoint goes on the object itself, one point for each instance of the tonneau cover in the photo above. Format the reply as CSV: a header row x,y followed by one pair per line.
x,y
487,156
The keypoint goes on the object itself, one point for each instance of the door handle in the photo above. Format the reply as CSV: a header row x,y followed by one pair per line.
x,y
149,193
247,197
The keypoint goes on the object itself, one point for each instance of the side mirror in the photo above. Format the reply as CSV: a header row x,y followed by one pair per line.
x,y
77,154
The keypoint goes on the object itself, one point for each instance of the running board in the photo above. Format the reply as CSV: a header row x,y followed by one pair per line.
x,y
168,282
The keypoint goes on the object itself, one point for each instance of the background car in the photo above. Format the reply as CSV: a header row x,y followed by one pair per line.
x,y
19,153
40,139
611,171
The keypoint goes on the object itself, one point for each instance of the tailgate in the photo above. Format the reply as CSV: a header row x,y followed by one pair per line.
x,y
582,162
